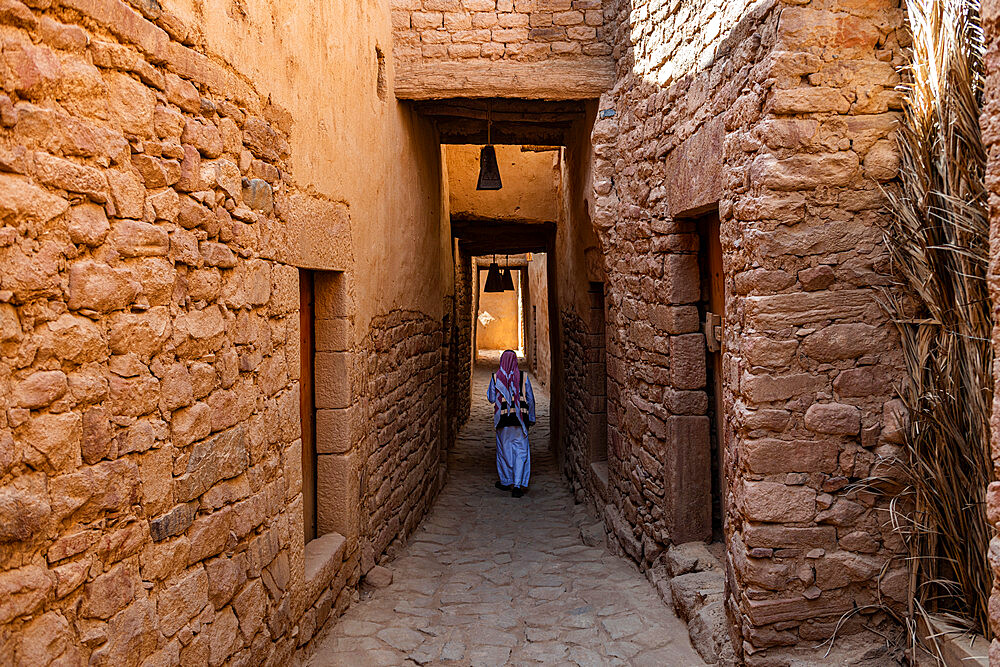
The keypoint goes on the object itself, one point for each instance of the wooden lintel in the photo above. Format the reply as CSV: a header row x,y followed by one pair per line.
x,y
570,79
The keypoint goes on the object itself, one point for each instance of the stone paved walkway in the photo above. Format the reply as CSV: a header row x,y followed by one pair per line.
x,y
491,580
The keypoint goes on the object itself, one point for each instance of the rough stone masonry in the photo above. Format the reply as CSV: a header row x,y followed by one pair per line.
x,y
781,115
160,192
150,464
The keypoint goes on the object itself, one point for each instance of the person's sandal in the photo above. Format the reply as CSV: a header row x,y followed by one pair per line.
x,y
502,486
518,491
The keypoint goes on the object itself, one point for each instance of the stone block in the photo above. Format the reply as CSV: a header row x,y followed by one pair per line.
x,y
682,283
333,335
770,456
23,590
40,389
52,441
181,600
250,605
687,472
338,494
174,522
23,508
690,592
204,136
842,341
687,361
332,380
379,577
209,534
87,224
789,537
833,418
99,287
332,298
109,593
139,239
333,430
776,502
766,388
675,319
224,456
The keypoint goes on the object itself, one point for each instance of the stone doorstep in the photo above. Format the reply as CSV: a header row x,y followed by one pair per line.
x,y
323,558
959,648
691,592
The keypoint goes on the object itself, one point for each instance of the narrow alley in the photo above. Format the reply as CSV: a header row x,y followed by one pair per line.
x,y
490,580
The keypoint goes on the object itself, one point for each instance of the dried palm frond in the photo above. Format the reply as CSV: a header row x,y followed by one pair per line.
x,y
938,241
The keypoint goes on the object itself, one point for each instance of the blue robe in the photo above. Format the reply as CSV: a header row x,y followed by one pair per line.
x,y
513,453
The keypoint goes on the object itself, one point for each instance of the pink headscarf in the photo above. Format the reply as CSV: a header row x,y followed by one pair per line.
x,y
510,376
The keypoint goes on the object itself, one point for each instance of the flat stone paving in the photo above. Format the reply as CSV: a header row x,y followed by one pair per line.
x,y
488,579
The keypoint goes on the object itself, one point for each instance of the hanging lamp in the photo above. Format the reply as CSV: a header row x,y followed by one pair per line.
x,y
506,278
494,282
489,170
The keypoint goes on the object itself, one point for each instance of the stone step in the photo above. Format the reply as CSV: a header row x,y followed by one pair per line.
x,y
690,592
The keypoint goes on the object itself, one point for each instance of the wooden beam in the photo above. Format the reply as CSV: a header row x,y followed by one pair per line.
x,y
459,111
462,131
570,79
483,237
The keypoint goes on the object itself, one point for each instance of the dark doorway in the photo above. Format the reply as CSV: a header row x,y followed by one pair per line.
x,y
307,402
713,306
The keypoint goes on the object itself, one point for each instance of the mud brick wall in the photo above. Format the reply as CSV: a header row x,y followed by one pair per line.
x,y
460,364
990,124
405,446
150,504
780,114
497,29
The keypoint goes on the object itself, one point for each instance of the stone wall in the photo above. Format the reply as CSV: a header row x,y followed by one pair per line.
x,y
585,433
780,114
497,29
404,449
150,233
151,476
991,138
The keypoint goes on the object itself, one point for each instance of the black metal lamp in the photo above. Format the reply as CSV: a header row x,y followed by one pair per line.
x,y
506,278
489,170
494,282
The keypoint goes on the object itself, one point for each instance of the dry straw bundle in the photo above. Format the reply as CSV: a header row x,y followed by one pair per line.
x,y
938,239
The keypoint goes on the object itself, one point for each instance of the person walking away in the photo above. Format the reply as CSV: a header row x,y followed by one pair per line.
x,y
513,414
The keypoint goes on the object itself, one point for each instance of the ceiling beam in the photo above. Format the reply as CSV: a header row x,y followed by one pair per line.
x,y
485,237
576,78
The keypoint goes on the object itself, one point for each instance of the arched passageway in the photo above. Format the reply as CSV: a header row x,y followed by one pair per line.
x,y
488,578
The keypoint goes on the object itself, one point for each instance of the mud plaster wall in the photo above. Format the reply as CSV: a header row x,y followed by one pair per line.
x,y
530,185
154,213
990,125
781,113
501,330
538,318
579,263
394,185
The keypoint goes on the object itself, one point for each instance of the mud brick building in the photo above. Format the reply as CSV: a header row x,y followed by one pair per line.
x,y
241,264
